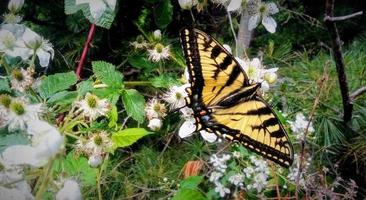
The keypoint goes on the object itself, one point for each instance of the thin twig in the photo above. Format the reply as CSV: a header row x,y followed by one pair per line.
x,y
341,18
322,83
357,93
338,59
232,30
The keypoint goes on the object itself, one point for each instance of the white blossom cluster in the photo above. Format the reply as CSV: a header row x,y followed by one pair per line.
x,y
300,126
219,164
155,112
17,40
257,173
92,107
294,172
155,49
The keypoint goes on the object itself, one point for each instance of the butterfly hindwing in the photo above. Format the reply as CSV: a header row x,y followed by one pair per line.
x,y
226,104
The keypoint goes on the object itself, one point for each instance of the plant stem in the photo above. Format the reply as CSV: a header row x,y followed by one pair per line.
x,y
85,50
99,174
43,187
338,59
233,31
244,35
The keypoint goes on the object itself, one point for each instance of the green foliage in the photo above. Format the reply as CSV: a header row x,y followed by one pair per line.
x,y
55,83
163,14
134,104
4,85
107,73
127,137
77,166
189,189
105,20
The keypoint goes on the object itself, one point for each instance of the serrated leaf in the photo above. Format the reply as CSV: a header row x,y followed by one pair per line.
x,y
4,85
104,20
85,87
134,104
191,182
128,136
164,14
109,93
113,117
56,83
107,73
77,166
164,81
191,194
141,62
63,97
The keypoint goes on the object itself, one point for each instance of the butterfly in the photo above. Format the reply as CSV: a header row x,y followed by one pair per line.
x,y
225,103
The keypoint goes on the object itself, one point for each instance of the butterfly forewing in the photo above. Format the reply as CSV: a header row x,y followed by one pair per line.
x,y
232,108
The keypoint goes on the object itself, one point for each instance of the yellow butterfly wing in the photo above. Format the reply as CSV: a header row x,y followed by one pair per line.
x,y
226,104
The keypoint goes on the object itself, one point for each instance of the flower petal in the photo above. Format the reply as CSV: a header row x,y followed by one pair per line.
x,y
44,57
209,137
253,21
270,24
272,8
187,128
234,5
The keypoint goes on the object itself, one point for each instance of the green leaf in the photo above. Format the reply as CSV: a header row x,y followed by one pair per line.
x,y
164,81
4,85
191,182
134,104
141,62
107,73
111,94
12,139
105,20
191,194
77,166
128,136
55,83
63,98
85,87
113,117
164,14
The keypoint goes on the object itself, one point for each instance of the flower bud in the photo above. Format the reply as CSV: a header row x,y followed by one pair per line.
x,y
157,34
15,5
270,77
187,4
155,124
95,160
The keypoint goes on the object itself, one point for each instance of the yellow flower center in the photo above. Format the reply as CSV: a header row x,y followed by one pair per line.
x,y
5,100
92,101
98,140
159,48
178,95
17,108
17,75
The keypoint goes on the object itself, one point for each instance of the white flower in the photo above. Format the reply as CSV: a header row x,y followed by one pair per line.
x,y
14,194
236,154
237,179
260,182
20,113
248,171
22,79
15,5
157,34
98,7
155,109
46,142
176,96
70,191
231,5
260,164
189,127
187,4
215,176
92,107
95,160
155,124
10,45
294,172
98,143
187,112
219,163
222,190
299,126
159,52
140,43
262,11
38,46
11,18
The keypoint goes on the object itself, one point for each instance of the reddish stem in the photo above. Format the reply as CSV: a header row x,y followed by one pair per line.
x,y
85,50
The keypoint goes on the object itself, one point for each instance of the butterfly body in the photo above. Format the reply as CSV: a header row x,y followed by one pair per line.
x,y
224,102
